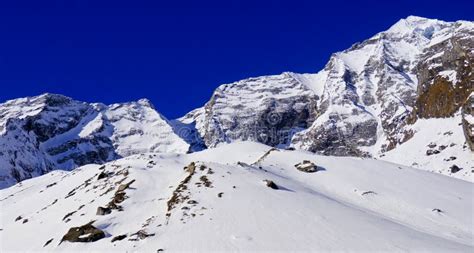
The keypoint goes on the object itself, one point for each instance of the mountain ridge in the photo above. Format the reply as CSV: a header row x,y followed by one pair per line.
x,y
369,100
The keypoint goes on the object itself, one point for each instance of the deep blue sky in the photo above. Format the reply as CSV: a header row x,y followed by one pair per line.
x,y
177,52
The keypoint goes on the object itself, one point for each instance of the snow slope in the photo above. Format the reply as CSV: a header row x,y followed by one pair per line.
x,y
437,146
350,204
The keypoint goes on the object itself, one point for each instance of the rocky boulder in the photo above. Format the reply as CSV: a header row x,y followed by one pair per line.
x,y
306,166
84,233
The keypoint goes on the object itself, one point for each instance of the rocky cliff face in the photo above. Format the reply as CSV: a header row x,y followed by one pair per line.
x,y
50,131
445,72
266,109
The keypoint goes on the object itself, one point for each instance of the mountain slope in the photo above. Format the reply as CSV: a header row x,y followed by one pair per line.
x,y
47,132
220,202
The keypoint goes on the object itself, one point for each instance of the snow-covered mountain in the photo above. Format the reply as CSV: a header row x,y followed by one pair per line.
x,y
260,166
48,132
401,96
368,101
238,197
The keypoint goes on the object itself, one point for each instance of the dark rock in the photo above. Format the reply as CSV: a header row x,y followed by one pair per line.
x,y
271,184
451,158
48,242
220,194
118,238
102,175
455,168
18,218
432,152
85,233
68,215
205,181
25,221
50,185
119,197
103,210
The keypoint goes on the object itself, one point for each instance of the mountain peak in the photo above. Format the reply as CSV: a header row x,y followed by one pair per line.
x,y
52,99
146,102
412,24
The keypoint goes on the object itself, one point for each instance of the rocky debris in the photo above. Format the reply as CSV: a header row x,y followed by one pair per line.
x,y
436,210
451,158
51,185
191,168
118,238
178,197
432,152
65,218
119,197
140,235
25,221
454,168
432,145
242,164
306,166
123,187
48,242
103,210
18,218
102,175
206,181
84,233
220,194
271,184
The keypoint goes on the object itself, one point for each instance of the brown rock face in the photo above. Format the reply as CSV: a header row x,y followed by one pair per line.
x,y
437,95
441,99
